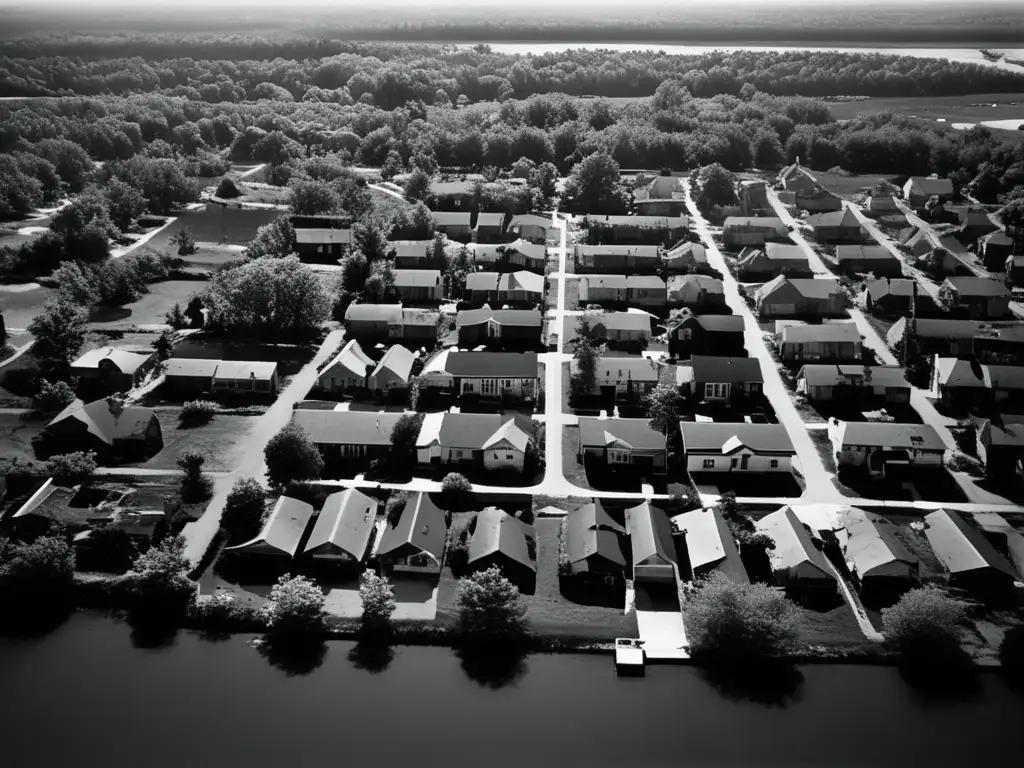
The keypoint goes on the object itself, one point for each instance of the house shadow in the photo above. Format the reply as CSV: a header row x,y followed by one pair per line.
x,y
771,484
412,590
594,593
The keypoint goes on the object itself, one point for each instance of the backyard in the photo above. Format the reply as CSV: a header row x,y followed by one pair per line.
x,y
149,311
215,224
16,433
220,440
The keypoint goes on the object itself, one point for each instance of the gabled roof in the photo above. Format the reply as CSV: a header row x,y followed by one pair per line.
x,y
493,364
662,188
726,370
795,170
351,358
930,328
928,186
345,523
635,282
997,238
390,313
952,372
509,317
755,222
589,530
820,375
476,431
244,369
417,278
530,282
810,288
843,218
282,531
703,283
992,522
793,544
825,332
398,360
1003,376
875,434
872,541
960,546
106,422
617,282
531,219
862,253
482,281
637,433
451,219
711,437
187,366
784,252
623,368
710,542
412,249
650,534
718,323
497,531
977,286
126,361
422,525
687,250
347,427
490,219
897,286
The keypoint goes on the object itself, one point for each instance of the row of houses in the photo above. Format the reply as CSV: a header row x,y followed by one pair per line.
x,y
968,383
987,342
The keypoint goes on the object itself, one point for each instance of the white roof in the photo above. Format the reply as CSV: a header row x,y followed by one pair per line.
x,y
703,539
126,361
509,431
351,358
793,545
322,236
430,430
438,363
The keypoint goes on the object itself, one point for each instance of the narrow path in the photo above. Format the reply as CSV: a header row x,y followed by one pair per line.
x,y
18,352
856,607
118,253
386,191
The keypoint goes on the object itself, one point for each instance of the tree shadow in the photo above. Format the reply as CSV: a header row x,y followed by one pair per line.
x,y
372,657
493,666
33,623
769,683
295,656
941,679
154,637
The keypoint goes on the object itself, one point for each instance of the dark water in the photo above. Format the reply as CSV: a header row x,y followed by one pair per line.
x,y
85,695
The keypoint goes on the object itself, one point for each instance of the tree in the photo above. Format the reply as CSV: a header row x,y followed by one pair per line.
x,y
417,185
378,600
766,149
544,178
177,318
72,468
311,198
276,239
76,284
594,187
124,202
243,510
583,381
662,404
184,241
459,267
197,412
403,438
296,607
380,285
392,165
59,332
686,501
160,587
923,625
53,397
267,299
291,455
195,486
490,609
371,239
1011,655
716,187
421,223
35,578
456,489
227,189
354,271
1012,215
164,344
730,620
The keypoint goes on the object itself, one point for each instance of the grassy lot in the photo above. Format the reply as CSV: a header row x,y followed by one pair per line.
x,y
835,627
150,309
571,468
954,109
210,224
220,440
12,239
16,382
208,259
847,186
16,433
258,192
21,302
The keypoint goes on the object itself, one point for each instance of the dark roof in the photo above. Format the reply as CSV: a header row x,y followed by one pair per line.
x,y
757,222
862,253
422,525
650,534
103,420
347,427
497,531
720,323
510,317
702,437
344,523
451,219
726,370
638,433
493,364
960,546
977,286
880,434
590,531
474,430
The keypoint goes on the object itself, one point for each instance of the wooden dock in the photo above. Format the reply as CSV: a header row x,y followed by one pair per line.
x,y
629,656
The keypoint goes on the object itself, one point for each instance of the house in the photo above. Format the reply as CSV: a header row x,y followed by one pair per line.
x,y
874,552
602,289
698,292
753,194
890,296
836,226
753,230
393,371
414,254
879,446
645,291
618,376
347,371
593,543
382,322
616,327
853,383
616,259
993,250
1000,444
662,196
343,528
980,297
455,195
530,227
881,204
194,376
654,552
281,533
524,287
999,343
1015,271
489,441
974,224
710,545
758,265
415,543
825,341
509,256
623,443
725,447
786,297
973,563
868,259
501,327
922,241
113,430
969,383
490,227
724,379
796,178
919,189
107,370
817,201
797,563
456,225
505,375
655,207
705,335
348,436
989,342
500,540
684,257
637,230
419,285
322,244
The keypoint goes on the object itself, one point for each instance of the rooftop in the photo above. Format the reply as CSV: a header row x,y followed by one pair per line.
x,y
347,427
726,370
892,436
825,332
345,523
960,546
493,364
497,531
723,438
635,433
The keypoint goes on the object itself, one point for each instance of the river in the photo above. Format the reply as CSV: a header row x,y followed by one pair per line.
x,y
86,695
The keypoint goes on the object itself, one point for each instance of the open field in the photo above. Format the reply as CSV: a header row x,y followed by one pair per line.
x,y
20,302
16,433
953,109
257,193
210,224
209,259
12,239
847,186
218,440
150,309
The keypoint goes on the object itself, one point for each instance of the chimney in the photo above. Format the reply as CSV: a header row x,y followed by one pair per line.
x,y
115,405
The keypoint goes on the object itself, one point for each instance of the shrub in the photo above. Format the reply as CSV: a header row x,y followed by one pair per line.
x,y
198,411
73,468
291,456
184,241
243,510
195,486
53,397
36,578
456,490
725,619
160,587
686,501
395,506
378,602
224,612
296,606
177,318
490,609
228,189
922,626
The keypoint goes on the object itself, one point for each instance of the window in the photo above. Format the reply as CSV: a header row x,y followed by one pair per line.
x,y
467,386
687,334
709,390
709,463
618,457
506,384
774,464
510,457
733,463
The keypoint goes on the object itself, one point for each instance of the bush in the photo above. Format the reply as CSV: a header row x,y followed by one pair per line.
x,y
378,602
923,625
1011,655
225,613
292,456
177,318
198,411
195,486
53,397
395,506
159,586
296,606
727,620
228,189
490,609
35,579
244,508
456,490
73,468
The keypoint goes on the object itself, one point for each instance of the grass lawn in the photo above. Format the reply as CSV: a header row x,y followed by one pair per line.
x,y
208,259
258,192
220,440
209,224
16,433
21,302
11,239
16,382
148,310
835,627
954,109
574,471
847,186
